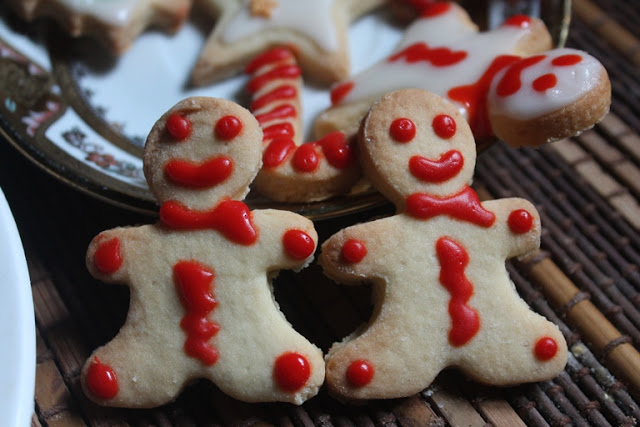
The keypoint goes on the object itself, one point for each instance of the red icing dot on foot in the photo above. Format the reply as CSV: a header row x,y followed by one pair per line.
x,y
298,244
444,126
544,82
360,373
228,127
520,221
354,251
101,380
546,348
107,257
291,371
566,60
178,127
402,130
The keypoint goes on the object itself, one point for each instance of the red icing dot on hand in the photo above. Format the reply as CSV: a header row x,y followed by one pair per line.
x,y
305,159
444,126
101,380
354,251
432,9
520,221
522,21
291,371
108,257
360,373
566,60
544,82
228,127
178,127
402,130
546,348
298,244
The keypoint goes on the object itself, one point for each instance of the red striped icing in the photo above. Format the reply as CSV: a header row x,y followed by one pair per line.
x,y
284,111
279,72
277,152
268,57
284,92
278,130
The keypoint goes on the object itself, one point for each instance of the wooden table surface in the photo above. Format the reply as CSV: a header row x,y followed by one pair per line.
x,y
585,278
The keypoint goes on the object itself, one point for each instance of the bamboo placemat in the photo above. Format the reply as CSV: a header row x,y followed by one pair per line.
x,y
585,278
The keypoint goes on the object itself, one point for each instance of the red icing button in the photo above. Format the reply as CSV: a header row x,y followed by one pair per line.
x,y
566,60
520,221
298,244
545,82
178,127
440,170
101,380
228,127
305,159
107,256
199,175
291,371
546,348
360,373
354,251
277,152
444,126
402,130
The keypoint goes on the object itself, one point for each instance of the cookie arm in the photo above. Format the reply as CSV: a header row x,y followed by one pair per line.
x,y
106,256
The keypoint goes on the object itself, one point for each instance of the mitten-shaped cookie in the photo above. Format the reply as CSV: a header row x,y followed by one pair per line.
x,y
201,303
442,294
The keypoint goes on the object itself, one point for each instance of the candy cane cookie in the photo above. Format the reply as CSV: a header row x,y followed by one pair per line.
x,y
293,171
115,23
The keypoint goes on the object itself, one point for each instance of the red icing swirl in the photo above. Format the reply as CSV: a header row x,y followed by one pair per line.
x,y
179,127
108,257
199,175
354,251
298,244
291,371
402,130
228,127
360,373
444,168
545,349
465,321
101,380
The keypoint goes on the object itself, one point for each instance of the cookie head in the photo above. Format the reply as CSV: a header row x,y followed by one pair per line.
x,y
413,141
201,151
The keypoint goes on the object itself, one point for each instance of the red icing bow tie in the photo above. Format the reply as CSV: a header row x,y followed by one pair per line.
x,y
464,206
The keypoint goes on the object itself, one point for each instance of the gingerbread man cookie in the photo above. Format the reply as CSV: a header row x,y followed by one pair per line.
x,y
201,304
315,30
115,23
293,171
442,294
444,53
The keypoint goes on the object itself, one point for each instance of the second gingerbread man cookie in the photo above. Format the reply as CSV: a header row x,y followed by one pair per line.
x,y
442,293
201,302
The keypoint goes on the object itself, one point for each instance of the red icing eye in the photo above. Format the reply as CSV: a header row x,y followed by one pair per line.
x,y
444,126
566,60
305,159
298,244
178,127
521,21
545,348
520,221
228,127
544,82
402,130
291,371
360,373
276,153
101,380
108,257
354,251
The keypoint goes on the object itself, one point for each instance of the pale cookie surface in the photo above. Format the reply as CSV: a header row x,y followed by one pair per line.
x,y
315,30
115,23
201,302
442,294
293,171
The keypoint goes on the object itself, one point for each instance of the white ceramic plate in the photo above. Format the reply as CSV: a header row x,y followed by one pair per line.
x,y
17,326
84,118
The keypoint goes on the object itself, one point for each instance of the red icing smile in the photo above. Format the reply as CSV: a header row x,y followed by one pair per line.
x,y
446,167
199,175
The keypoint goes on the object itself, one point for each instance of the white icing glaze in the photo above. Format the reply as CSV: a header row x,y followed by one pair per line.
x,y
116,12
312,18
446,30
574,81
